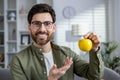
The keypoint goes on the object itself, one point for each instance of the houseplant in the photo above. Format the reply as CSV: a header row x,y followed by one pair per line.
x,y
110,60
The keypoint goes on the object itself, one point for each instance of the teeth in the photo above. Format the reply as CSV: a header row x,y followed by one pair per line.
x,y
41,35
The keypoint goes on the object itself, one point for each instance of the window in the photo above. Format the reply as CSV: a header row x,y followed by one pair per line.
x,y
94,17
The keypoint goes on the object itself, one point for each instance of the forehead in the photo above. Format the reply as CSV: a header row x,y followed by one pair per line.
x,y
42,17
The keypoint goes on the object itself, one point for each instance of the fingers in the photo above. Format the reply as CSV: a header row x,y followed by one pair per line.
x,y
86,35
54,66
68,61
56,73
92,36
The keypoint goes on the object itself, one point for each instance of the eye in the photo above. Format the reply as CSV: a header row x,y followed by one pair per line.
x,y
37,23
46,23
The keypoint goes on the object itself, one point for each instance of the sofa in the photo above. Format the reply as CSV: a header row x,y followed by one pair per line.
x,y
5,74
109,74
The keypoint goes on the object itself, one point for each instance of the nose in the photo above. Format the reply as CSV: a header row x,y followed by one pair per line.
x,y
42,28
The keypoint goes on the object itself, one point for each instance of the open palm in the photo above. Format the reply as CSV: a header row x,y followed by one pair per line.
x,y
55,73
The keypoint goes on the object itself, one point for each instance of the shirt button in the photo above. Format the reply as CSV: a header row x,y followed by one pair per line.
x,y
44,72
40,49
42,59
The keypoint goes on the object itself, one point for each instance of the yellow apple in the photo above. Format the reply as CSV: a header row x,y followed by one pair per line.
x,y
85,45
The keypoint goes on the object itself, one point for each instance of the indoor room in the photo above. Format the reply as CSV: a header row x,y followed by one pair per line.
x,y
74,19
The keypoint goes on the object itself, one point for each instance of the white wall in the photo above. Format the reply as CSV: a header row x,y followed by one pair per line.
x,y
117,20
113,20
79,5
116,24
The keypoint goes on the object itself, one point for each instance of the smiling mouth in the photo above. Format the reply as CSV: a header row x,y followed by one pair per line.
x,y
41,36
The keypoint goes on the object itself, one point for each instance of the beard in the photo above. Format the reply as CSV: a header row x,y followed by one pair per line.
x,y
40,41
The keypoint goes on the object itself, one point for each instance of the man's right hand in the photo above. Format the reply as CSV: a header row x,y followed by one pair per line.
x,y
55,73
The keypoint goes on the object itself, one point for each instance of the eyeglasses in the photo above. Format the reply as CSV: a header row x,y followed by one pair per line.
x,y
38,24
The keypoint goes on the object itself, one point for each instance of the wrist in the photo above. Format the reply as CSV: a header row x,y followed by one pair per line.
x,y
51,78
96,49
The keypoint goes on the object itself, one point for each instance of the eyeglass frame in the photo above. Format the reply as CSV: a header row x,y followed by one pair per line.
x,y
38,24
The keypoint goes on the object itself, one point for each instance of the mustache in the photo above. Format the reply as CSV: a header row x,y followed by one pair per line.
x,y
40,32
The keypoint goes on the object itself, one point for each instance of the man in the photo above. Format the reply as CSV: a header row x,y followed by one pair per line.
x,y
44,60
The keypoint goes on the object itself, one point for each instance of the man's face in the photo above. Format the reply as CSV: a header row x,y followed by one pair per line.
x,y
42,28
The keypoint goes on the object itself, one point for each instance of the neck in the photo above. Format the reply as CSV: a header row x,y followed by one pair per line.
x,y
45,48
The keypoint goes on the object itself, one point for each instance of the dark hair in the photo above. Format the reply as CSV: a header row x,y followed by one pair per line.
x,y
41,8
